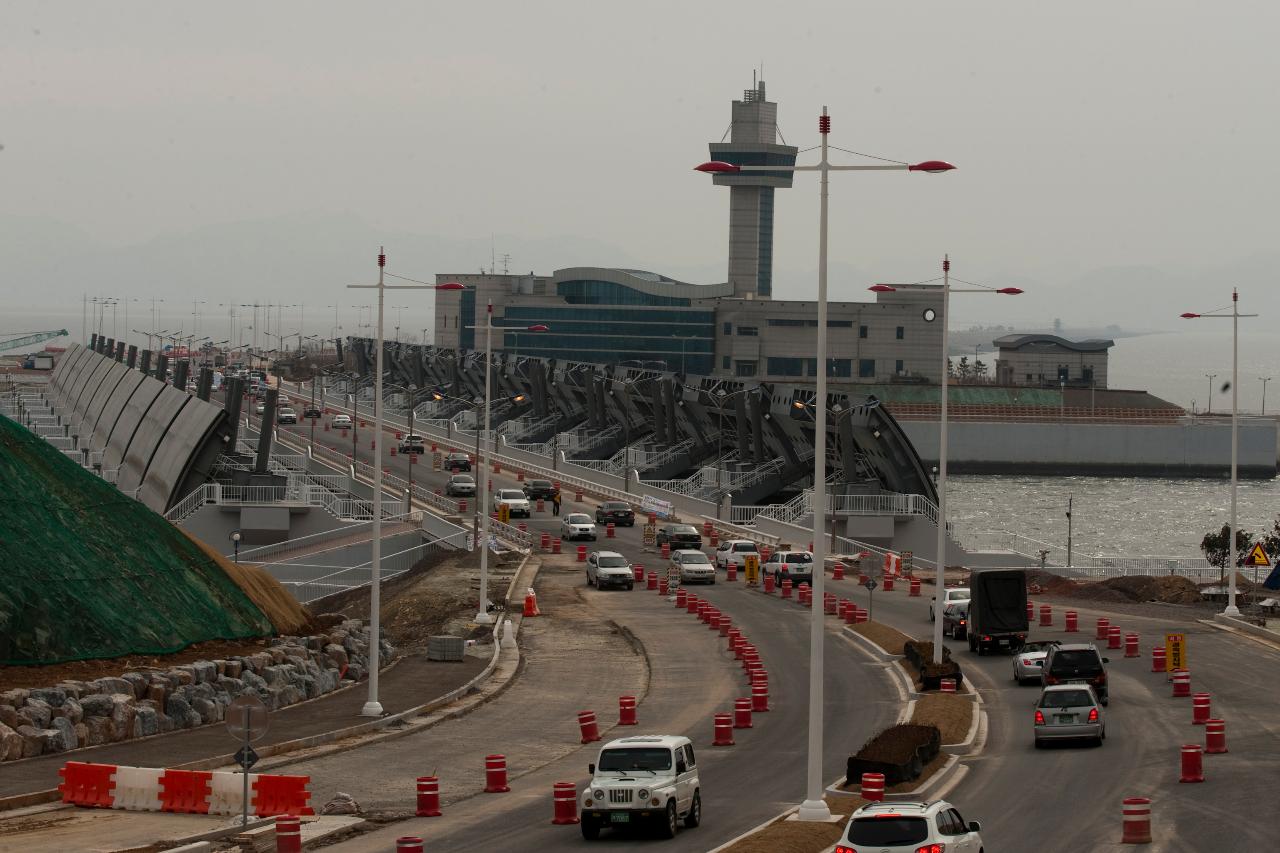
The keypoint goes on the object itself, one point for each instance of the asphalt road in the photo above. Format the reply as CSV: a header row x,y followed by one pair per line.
x,y
1063,798
742,786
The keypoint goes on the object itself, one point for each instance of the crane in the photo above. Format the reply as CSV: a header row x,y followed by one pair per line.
x,y
23,340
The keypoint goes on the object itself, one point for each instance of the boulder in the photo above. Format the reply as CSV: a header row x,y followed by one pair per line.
x,y
205,671
355,671
234,668
51,696
32,741
221,666
15,697
63,736
276,654
139,682
37,713
97,705
100,730
165,723
254,681
82,735
186,673
122,715
111,685
145,720
184,716
277,676
10,744
74,689
208,710
337,654
9,716
157,691
71,709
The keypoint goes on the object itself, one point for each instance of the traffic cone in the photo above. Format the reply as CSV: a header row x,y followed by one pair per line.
x,y
531,604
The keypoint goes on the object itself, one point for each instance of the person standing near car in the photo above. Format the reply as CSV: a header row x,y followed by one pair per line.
x,y
555,503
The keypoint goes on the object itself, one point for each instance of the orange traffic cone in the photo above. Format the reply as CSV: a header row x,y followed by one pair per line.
x,y
531,604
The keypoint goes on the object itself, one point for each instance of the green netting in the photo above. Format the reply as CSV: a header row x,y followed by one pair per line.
x,y
90,573
964,395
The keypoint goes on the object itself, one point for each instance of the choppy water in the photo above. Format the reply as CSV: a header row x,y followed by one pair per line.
x,y
1112,516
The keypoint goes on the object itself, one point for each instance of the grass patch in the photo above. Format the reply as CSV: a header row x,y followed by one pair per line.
x,y
950,712
890,639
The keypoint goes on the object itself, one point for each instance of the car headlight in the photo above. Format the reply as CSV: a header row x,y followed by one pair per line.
x,y
598,794
643,793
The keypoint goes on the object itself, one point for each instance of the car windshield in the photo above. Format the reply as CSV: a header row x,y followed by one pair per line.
x,y
615,506
684,528
694,558
1076,660
957,594
1065,699
464,480
797,557
578,518
886,831
744,548
510,495
416,439
643,758
612,562
1041,647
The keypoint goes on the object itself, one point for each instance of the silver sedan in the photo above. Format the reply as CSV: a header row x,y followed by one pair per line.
x,y
1068,712
1029,660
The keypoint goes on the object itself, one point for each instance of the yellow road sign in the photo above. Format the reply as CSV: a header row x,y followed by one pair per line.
x,y
751,565
1257,557
1175,652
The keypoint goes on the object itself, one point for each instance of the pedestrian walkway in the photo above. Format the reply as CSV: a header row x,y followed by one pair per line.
x,y
412,682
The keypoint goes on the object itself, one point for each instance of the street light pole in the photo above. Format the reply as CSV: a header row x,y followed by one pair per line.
x,y
1235,315
940,553
814,807
1210,377
483,617
1265,380
373,707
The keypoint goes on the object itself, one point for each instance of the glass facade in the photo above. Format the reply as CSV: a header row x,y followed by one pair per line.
x,y
467,314
836,367
685,340
587,292
867,368
764,258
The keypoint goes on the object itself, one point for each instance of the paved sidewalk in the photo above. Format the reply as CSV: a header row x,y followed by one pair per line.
x,y
411,682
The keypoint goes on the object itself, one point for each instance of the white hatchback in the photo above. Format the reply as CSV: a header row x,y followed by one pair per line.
x,y
578,525
909,827
950,595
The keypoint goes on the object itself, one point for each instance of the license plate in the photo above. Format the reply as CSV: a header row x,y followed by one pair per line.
x,y
1004,642
1065,718
619,817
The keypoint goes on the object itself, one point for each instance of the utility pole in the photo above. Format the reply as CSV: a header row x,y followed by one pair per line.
x,y
1265,380
1070,499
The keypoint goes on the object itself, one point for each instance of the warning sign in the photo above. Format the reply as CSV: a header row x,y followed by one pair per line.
x,y
751,565
1175,651
1257,557
650,534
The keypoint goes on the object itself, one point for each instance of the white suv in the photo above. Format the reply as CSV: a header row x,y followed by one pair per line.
x,y
516,500
909,827
646,779
734,552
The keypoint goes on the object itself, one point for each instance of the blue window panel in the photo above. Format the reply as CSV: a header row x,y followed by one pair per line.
x,y
785,366
867,368
764,243
467,337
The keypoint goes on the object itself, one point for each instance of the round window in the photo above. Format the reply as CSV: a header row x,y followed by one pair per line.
x,y
929,315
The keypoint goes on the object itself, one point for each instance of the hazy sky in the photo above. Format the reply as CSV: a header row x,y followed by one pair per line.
x,y
1116,159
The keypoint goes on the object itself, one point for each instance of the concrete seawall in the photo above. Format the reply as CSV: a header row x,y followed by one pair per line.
x,y
1190,447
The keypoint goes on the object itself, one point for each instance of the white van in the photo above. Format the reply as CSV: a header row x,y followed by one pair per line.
x,y
650,779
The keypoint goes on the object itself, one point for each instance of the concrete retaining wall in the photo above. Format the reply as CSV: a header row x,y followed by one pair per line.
x,y
1190,447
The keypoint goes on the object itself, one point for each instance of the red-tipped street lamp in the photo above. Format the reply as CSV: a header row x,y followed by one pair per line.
x,y
940,555
814,807
1235,315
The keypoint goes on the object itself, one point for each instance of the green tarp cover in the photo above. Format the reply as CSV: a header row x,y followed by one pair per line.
x,y
87,572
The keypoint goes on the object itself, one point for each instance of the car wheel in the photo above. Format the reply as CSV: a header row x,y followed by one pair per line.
x,y
588,579
1104,700
971,646
668,828
631,586
590,829
931,616
963,632
694,817
1039,743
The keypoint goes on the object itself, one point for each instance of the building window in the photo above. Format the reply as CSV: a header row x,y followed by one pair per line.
x,y
1030,379
745,368
728,328
748,331
862,331
901,333
1064,374
867,367
789,321
839,367
785,366
898,369
726,364
838,324
1087,374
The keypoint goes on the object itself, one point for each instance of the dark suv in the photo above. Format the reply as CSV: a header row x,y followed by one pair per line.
x,y
536,490
679,536
1076,662
457,462
619,512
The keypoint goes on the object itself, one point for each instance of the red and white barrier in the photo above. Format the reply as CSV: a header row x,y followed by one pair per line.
x,y
872,788
153,789
1137,821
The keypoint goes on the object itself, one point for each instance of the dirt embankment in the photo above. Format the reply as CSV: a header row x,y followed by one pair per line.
x,y
439,595
1167,589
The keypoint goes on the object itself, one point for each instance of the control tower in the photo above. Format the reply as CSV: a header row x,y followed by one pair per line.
x,y
753,141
